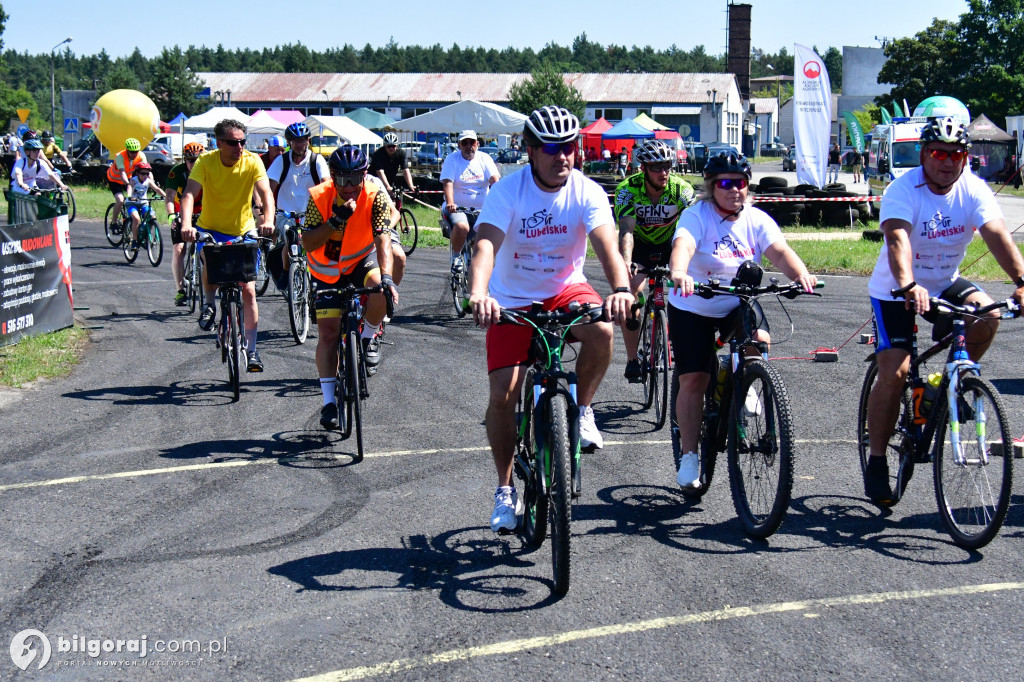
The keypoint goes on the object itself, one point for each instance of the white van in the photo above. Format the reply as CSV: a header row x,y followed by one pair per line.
x,y
176,141
895,149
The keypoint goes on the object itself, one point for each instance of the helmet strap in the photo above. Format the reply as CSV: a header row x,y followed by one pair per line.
x,y
728,214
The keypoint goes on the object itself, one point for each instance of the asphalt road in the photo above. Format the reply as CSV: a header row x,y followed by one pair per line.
x,y
138,501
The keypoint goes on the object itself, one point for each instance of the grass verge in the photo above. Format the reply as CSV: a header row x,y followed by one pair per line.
x,y
48,355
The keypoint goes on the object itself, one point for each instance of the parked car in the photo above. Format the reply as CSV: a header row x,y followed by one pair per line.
x,y
698,157
503,155
324,144
773,149
789,159
428,153
158,155
716,148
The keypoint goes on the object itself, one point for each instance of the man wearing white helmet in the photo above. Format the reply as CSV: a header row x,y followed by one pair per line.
x,y
929,216
386,162
531,246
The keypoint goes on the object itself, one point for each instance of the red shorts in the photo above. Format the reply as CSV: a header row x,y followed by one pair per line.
x,y
508,345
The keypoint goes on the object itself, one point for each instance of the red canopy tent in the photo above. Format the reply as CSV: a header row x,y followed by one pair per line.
x,y
592,141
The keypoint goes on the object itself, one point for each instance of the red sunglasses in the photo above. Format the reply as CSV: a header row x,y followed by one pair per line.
x,y
941,155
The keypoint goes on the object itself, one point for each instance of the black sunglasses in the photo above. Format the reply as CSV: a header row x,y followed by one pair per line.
x,y
663,167
233,143
731,183
553,148
348,179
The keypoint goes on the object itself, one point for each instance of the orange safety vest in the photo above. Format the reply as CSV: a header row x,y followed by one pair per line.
x,y
340,256
114,175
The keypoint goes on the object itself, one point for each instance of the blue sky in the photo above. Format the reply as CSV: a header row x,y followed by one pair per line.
x,y
36,27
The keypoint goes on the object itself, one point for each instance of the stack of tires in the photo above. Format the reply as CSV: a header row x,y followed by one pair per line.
x,y
810,213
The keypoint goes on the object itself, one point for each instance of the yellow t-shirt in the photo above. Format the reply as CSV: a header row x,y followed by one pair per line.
x,y
50,150
227,192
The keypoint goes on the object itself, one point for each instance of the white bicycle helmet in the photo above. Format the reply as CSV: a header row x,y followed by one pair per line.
x,y
948,130
552,124
654,151
390,138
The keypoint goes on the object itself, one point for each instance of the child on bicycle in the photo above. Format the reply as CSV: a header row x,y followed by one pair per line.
x,y
138,208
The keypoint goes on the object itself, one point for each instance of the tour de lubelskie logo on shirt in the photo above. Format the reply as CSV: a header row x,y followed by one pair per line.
x,y
541,224
728,247
939,226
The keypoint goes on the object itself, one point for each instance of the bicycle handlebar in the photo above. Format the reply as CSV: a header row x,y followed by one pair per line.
x,y
592,311
791,290
968,310
350,290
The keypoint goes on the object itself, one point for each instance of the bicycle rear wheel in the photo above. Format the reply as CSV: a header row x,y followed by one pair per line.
x,y
658,369
560,492
298,300
262,273
354,391
72,207
709,441
530,470
761,450
130,254
154,243
408,231
114,234
974,493
899,451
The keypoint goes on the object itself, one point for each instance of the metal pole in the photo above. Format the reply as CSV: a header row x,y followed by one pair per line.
x,y
53,95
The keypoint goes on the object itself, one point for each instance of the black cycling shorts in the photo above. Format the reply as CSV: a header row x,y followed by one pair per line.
x,y
894,324
649,255
693,335
330,304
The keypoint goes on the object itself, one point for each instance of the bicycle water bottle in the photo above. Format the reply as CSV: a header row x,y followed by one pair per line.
x,y
920,416
723,376
931,392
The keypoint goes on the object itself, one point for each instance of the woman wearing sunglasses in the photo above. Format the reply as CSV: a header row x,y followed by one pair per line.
x,y
929,215
714,237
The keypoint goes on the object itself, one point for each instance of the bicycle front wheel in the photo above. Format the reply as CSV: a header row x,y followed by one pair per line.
x,y
560,492
188,279
659,368
130,254
72,207
899,449
154,244
298,300
262,273
460,293
233,333
974,478
113,234
408,231
354,392
760,450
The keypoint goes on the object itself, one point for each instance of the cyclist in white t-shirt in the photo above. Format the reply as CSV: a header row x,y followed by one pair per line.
x,y
32,168
531,245
929,216
291,176
465,179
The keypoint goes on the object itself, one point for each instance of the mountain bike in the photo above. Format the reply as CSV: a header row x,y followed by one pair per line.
x,y
298,292
547,451
228,265
114,228
748,415
653,352
262,273
973,475
192,273
66,196
459,281
149,235
407,228
352,377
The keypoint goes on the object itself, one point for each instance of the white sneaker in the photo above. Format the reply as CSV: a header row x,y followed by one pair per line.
x,y
507,506
689,471
589,435
752,405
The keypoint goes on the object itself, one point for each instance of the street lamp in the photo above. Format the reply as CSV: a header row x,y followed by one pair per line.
x,y
53,96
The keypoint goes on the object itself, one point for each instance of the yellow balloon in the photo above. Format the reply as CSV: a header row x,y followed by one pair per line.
x,y
121,114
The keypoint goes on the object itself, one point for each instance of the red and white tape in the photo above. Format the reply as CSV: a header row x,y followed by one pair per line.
x,y
759,200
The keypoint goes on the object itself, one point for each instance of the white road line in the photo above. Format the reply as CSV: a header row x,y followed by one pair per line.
x,y
512,646
78,282
319,455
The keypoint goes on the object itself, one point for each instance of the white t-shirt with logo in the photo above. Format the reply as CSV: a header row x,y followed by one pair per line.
x,y
293,193
722,245
545,240
470,178
941,227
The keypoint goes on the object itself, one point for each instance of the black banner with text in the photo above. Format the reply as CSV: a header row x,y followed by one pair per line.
x,y
35,274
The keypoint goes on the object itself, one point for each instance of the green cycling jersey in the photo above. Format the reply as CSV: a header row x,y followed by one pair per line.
x,y
655,222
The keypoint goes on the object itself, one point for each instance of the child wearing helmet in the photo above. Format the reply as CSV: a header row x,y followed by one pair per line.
x,y
177,180
122,166
31,170
139,209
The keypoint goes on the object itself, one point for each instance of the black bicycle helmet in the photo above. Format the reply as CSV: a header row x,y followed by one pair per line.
x,y
727,162
654,151
946,129
296,130
551,124
348,159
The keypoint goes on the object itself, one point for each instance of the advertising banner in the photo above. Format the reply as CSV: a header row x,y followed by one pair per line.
x,y
854,131
35,273
812,116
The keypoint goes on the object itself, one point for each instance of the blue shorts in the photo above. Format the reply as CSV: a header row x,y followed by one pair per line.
x,y
143,209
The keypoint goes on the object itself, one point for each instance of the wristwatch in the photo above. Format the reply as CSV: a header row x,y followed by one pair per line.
x,y
621,290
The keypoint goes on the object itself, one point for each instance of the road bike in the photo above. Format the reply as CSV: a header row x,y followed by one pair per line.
x,y
458,281
353,377
547,449
408,229
653,351
149,234
747,414
973,474
228,266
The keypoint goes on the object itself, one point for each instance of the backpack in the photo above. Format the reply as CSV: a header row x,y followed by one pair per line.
x,y
287,162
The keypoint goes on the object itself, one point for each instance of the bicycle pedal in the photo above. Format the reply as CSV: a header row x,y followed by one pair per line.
x,y
509,531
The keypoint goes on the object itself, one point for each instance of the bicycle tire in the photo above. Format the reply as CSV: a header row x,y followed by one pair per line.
x,y
708,441
130,254
660,362
408,231
761,452
113,238
973,497
355,392
72,206
234,351
200,291
899,450
262,273
460,292
298,301
341,393
560,492
188,279
154,243
535,505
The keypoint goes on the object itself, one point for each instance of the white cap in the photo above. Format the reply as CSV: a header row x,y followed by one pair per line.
x,y
467,135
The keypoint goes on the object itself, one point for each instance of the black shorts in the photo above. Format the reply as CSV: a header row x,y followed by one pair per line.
x,y
116,187
894,324
176,232
649,255
331,304
693,336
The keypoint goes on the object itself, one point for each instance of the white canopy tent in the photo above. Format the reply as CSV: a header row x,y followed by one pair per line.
x,y
203,123
347,131
261,127
482,117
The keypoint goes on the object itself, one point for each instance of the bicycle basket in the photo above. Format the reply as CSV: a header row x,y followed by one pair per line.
x,y
231,263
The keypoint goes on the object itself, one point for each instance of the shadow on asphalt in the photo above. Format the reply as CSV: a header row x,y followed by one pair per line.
x,y
195,393
450,563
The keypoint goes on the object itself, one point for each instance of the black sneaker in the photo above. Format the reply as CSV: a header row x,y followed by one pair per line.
x,y
371,351
206,317
329,416
876,481
634,373
254,364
